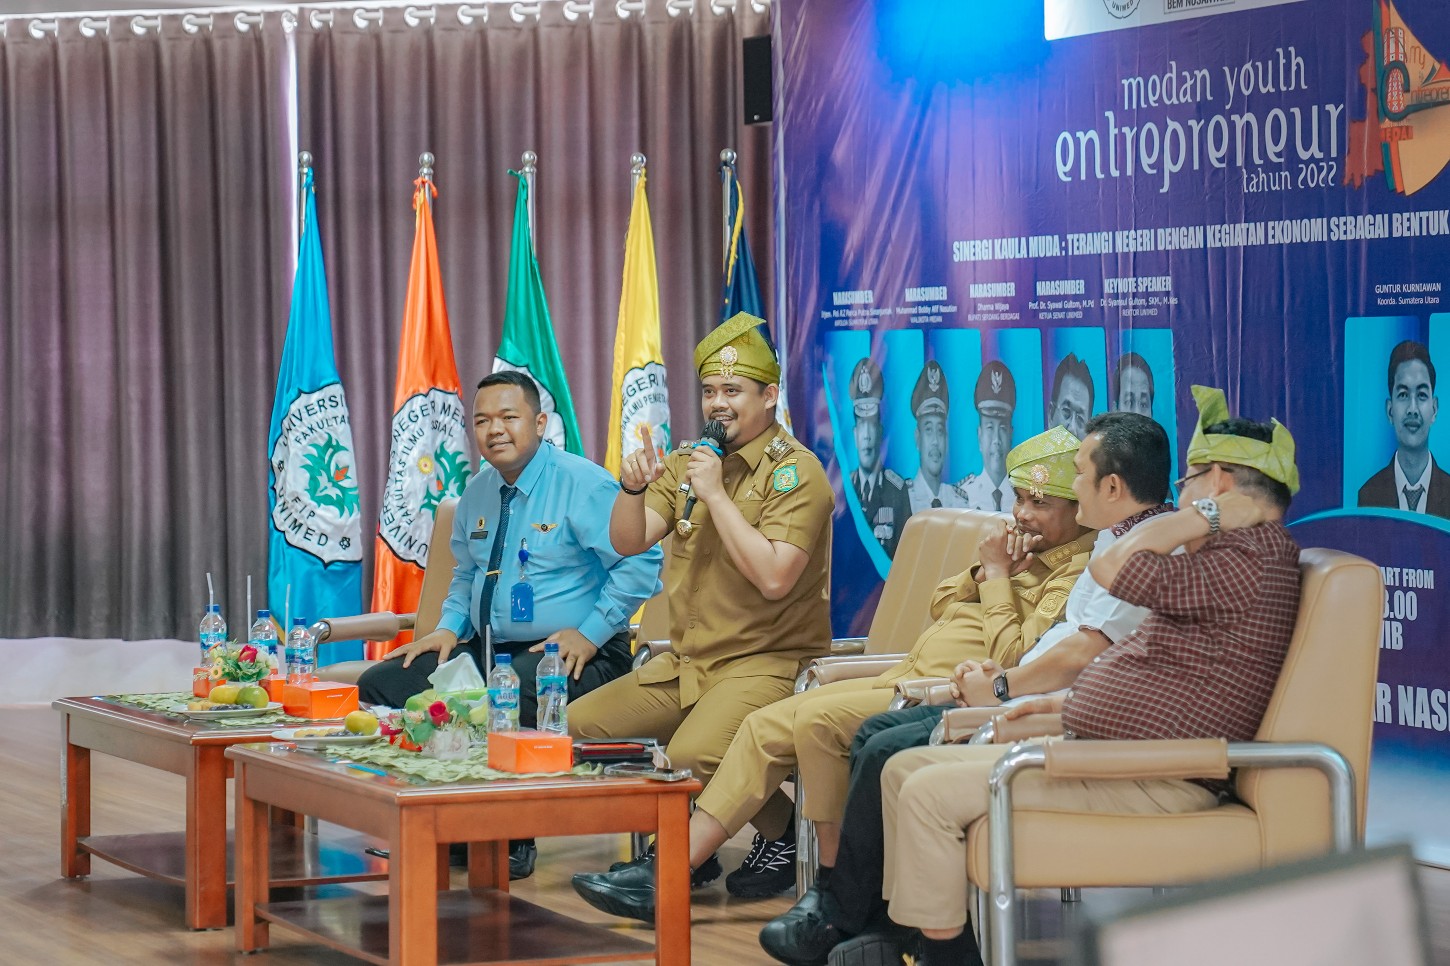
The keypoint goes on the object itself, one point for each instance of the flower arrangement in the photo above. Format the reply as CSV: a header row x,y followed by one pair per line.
x,y
242,665
445,728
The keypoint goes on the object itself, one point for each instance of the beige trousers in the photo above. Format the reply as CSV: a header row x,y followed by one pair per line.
x,y
697,736
931,795
811,730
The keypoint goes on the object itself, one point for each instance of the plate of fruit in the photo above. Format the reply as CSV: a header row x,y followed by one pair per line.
x,y
232,701
357,728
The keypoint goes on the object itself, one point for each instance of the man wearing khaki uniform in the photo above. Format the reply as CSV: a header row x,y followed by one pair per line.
x,y
748,574
996,609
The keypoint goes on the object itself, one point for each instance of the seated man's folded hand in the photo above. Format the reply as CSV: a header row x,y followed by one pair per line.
x,y
972,684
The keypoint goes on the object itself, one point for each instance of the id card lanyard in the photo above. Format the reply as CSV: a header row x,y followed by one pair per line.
x,y
521,595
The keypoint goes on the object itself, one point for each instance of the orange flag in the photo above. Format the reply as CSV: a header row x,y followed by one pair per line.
x,y
428,461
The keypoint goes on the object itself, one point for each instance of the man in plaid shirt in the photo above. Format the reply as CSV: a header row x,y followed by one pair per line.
x,y
1203,664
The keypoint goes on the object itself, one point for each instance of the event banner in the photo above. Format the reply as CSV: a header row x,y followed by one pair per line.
x,y
1001,217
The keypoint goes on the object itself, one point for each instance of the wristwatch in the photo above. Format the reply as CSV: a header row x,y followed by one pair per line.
x,y
1208,506
999,686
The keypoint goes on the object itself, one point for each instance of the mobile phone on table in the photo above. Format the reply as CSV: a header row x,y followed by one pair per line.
x,y
648,771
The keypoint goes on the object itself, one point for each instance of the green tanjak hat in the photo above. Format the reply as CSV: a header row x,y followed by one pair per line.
x,y
1274,459
736,348
1043,464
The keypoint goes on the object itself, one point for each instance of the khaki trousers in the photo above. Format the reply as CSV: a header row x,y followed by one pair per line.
x,y
697,736
931,795
811,730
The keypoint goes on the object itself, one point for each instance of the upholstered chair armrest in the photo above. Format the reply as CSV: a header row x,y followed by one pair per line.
x,y
1137,760
847,645
826,670
381,626
929,691
959,724
1004,731
916,690
644,650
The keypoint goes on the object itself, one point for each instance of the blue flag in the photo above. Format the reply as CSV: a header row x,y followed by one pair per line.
x,y
742,285
315,538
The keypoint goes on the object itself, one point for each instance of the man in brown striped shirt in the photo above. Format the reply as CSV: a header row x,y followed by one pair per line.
x,y
1203,664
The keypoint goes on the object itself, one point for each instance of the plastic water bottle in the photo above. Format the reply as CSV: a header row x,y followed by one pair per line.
x,y
263,636
553,692
213,633
301,653
503,695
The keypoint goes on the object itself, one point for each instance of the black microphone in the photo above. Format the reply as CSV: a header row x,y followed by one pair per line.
x,y
712,435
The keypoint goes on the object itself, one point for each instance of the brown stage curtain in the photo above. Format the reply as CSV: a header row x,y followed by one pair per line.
x,y
584,95
146,184
145,187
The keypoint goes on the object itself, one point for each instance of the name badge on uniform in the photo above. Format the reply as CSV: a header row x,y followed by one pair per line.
x,y
478,532
521,595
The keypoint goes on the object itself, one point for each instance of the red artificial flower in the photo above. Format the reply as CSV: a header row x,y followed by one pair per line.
x,y
438,711
247,654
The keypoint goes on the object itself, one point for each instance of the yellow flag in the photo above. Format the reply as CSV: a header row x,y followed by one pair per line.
x,y
640,402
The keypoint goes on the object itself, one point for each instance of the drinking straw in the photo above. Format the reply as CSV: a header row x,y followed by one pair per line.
x,y
210,591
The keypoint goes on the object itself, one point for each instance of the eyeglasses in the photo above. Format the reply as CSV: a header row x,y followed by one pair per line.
x,y
1180,483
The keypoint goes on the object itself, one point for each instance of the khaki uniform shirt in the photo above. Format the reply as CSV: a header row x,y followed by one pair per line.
x,y
720,624
999,619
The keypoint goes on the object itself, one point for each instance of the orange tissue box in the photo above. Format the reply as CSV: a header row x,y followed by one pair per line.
x,y
530,751
319,699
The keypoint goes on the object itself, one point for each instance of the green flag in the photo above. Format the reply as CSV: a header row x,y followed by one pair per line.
x,y
528,342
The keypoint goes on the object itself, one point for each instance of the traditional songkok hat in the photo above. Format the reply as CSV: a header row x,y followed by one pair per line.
x,y
1043,465
1273,459
736,348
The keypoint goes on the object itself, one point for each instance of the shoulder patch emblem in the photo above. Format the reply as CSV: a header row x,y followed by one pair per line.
x,y
778,448
785,478
1052,602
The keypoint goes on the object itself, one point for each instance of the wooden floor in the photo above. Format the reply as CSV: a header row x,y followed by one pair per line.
x,y
115,917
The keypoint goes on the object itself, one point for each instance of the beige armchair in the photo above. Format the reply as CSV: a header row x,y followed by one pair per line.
x,y
384,626
935,544
1300,784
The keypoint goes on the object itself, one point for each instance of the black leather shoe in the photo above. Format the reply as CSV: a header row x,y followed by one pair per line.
x,y
708,872
629,892
801,936
522,856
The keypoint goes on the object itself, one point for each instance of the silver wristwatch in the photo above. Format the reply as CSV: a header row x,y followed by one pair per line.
x,y
1208,506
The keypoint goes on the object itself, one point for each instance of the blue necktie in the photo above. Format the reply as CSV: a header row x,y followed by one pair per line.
x,y
495,554
1412,496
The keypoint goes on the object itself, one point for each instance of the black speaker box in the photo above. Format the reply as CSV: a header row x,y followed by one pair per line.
x,y
755,74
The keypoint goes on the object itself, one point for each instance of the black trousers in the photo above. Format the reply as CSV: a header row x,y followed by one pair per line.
x,y
391,684
852,896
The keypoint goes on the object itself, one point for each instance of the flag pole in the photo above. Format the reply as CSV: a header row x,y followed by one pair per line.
x,y
636,171
529,168
425,171
727,173
304,165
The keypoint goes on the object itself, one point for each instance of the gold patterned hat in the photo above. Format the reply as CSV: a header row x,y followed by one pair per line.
x,y
1273,459
1043,464
736,348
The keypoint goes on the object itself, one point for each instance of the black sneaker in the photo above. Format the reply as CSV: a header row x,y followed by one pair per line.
x,y
768,870
708,872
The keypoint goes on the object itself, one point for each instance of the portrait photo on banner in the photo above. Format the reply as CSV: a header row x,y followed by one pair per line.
x,y
1396,448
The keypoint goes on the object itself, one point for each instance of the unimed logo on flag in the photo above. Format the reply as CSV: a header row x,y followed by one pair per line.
x,y
316,509
426,467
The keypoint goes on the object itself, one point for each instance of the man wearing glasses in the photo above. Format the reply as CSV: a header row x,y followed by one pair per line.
x,y
1202,665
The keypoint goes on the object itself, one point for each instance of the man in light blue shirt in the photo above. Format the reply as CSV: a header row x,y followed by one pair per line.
x,y
531,496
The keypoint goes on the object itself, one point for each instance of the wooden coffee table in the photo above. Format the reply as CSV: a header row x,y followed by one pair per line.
x,y
197,858
419,921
